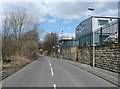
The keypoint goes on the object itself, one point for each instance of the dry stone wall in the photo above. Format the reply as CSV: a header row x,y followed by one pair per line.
x,y
106,56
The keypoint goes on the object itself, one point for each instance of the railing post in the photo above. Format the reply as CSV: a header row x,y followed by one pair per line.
x,y
101,40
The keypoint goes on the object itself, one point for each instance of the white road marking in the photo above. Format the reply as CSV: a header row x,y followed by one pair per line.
x,y
48,61
52,72
50,64
54,85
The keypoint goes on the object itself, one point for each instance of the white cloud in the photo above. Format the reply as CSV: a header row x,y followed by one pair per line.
x,y
59,0
65,11
77,10
61,10
52,21
42,19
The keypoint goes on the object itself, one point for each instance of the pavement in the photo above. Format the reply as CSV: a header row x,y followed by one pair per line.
x,y
53,72
104,74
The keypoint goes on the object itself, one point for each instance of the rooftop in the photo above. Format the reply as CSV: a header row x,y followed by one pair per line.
x,y
98,17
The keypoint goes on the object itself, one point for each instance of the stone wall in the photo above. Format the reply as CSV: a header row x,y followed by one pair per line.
x,y
74,51
70,53
85,55
66,53
106,56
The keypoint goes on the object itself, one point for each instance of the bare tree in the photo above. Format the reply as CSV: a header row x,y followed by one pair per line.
x,y
19,29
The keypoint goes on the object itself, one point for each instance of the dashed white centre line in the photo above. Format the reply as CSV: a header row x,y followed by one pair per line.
x,y
48,61
52,72
54,85
50,64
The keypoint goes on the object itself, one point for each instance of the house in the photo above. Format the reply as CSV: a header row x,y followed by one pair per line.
x,y
101,26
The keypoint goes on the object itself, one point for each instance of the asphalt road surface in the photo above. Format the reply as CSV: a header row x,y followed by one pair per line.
x,y
51,72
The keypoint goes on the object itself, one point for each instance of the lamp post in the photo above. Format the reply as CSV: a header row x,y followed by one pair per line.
x,y
91,10
93,61
119,22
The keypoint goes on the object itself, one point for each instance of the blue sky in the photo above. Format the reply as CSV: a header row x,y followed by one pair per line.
x,y
59,25
61,15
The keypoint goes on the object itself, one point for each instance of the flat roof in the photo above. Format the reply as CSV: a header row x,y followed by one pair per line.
x,y
98,17
65,39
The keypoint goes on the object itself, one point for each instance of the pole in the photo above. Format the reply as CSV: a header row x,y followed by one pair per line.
x,y
119,22
62,32
93,48
92,9
101,36
119,30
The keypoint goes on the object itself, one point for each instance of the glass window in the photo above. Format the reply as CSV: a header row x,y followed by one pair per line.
x,y
102,22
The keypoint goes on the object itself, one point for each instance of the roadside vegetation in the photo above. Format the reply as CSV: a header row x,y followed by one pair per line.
x,y
50,43
20,40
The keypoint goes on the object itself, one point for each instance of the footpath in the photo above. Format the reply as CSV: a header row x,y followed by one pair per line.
x,y
104,74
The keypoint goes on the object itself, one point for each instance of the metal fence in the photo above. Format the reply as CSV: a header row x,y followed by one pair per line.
x,y
70,43
102,35
107,34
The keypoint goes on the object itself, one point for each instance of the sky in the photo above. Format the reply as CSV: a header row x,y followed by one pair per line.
x,y
59,15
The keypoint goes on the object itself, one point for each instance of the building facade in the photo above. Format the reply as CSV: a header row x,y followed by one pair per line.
x,y
84,31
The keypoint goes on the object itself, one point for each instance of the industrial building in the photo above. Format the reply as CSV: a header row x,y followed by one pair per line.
x,y
102,27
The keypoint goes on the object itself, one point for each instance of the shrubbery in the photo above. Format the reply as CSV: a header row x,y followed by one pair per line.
x,y
20,35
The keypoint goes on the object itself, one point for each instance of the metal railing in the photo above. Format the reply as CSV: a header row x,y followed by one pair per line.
x,y
102,35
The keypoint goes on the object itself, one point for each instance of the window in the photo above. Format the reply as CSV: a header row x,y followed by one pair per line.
x,y
83,27
102,22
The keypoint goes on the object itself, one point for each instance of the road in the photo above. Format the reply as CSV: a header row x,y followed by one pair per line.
x,y
51,72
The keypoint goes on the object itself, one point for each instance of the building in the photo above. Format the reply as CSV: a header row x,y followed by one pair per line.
x,y
84,31
66,42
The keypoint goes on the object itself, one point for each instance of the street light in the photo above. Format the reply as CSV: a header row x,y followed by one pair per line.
x,y
91,10
93,62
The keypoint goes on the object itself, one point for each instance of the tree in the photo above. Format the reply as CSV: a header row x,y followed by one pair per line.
x,y
20,33
50,41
